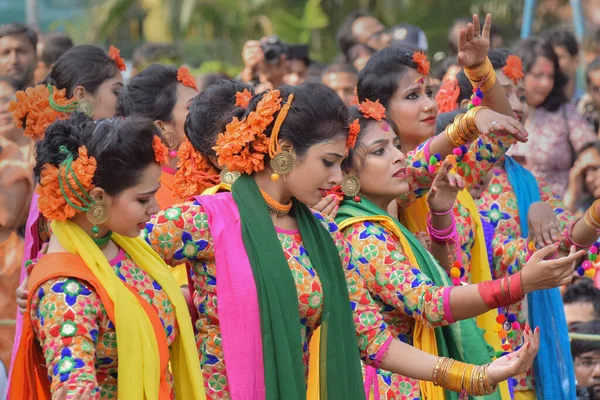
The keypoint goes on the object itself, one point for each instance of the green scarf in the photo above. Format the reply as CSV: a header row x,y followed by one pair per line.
x,y
462,340
340,369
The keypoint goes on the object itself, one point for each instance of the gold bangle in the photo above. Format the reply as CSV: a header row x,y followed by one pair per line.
x,y
436,370
452,134
482,76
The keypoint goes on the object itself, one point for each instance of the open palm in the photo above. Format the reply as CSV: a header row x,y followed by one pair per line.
x,y
472,46
518,362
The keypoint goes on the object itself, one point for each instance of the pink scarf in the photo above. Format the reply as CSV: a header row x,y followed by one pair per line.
x,y
30,252
238,311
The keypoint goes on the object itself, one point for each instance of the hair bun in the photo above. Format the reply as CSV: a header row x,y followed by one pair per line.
x,y
68,133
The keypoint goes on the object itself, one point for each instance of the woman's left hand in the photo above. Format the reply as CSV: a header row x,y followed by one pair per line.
x,y
473,46
444,189
543,224
517,362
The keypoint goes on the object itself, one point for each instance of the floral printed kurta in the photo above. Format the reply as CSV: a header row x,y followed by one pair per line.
x,y
498,205
403,293
78,339
480,158
181,233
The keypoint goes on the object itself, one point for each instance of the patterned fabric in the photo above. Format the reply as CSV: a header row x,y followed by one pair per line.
x,y
498,206
76,335
481,157
181,233
402,292
554,139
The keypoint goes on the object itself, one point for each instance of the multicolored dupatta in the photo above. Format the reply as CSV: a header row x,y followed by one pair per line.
x,y
462,340
340,370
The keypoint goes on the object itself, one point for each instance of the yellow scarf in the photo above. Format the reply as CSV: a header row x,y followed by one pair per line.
x,y
415,219
139,364
217,188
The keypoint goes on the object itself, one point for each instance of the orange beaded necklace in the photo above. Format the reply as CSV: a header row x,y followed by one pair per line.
x,y
275,207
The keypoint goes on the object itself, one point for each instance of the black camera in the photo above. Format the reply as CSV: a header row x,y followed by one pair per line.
x,y
273,48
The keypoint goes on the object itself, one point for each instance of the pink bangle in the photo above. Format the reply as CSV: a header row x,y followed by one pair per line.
x,y
516,288
569,237
442,213
426,149
447,311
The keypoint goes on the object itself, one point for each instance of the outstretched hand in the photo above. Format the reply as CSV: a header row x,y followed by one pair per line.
x,y
473,46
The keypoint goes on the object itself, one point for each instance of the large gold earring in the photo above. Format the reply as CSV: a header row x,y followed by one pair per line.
x,y
282,164
228,177
98,213
86,107
172,142
351,186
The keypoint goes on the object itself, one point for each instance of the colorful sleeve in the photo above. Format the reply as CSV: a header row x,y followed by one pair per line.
x,y
180,233
419,177
547,196
371,331
509,255
391,278
64,314
482,155
579,129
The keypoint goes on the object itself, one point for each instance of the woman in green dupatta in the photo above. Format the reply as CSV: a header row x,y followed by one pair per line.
x,y
302,272
413,291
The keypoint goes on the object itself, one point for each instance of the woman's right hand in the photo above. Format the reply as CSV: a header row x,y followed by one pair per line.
x,y
517,362
488,121
22,294
329,205
444,189
538,273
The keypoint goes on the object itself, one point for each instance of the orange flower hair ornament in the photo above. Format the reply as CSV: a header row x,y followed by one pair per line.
x,y
186,78
115,54
194,173
64,191
242,99
243,145
513,69
161,152
353,131
39,106
422,64
374,110
447,96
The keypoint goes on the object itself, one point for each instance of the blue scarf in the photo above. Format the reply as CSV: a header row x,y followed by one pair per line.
x,y
553,366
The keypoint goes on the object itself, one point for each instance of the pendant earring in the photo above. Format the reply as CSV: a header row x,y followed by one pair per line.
x,y
351,187
86,107
172,142
228,177
98,213
282,164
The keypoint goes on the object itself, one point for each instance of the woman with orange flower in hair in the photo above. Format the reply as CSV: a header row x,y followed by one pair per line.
x,y
259,258
519,208
163,94
103,313
86,79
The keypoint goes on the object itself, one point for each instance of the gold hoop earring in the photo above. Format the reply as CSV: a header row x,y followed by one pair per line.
x,y
351,187
282,164
98,213
86,107
228,177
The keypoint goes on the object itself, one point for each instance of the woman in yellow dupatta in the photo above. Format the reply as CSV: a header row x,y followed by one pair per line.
x,y
397,78
103,310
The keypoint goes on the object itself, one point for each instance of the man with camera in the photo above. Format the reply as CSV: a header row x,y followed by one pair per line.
x,y
268,62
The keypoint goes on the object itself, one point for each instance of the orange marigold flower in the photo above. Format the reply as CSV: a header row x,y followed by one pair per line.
x,y
115,54
161,152
447,96
242,99
186,78
32,112
353,131
194,173
513,68
243,145
52,203
422,64
374,110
